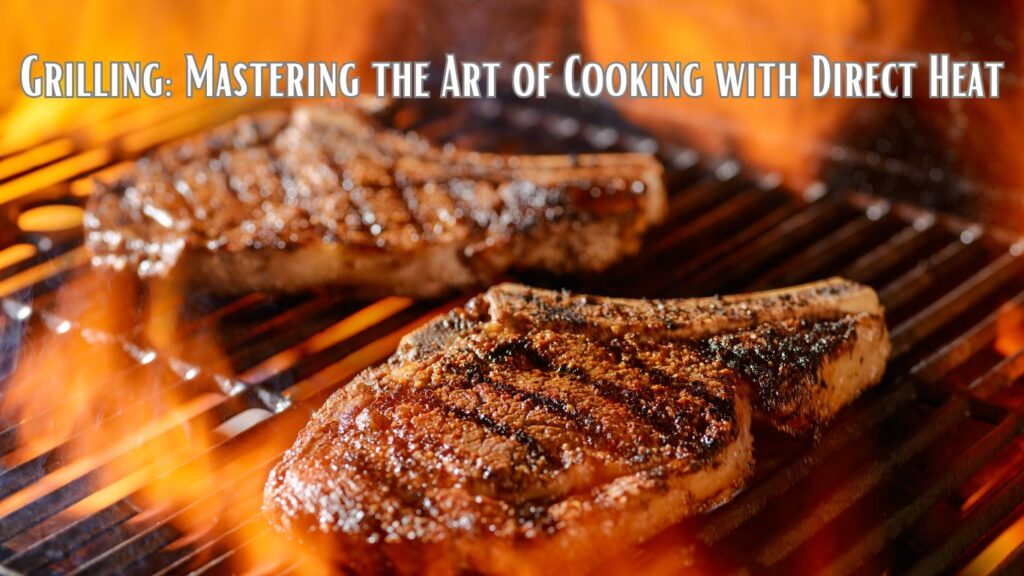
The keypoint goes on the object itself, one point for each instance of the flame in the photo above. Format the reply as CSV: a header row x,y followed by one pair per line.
x,y
998,550
114,413
124,30
789,136
979,145
1010,331
143,417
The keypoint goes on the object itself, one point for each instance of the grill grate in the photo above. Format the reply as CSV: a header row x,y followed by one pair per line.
x,y
925,474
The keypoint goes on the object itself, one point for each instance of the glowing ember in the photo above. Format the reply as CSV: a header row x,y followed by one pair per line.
x,y
16,254
1010,331
50,218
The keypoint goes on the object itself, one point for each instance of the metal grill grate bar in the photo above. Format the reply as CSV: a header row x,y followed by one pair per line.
x,y
781,545
954,302
898,523
971,529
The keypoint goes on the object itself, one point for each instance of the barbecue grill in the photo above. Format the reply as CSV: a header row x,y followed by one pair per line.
x,y
922,475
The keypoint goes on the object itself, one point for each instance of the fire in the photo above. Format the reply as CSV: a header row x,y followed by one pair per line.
x,y
789,136
979,147
49,420
125,391
997,551
1010,331
124,30
113,413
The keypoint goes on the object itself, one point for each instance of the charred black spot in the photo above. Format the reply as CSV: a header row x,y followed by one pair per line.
x,y
781,360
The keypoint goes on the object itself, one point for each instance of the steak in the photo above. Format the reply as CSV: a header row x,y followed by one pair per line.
x,y
538,429
323,196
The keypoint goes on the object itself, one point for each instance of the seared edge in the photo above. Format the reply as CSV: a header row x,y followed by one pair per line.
x,y
803,372
684,318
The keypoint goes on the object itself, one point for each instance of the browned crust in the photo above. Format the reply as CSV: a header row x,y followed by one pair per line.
x,y
534,424
325,197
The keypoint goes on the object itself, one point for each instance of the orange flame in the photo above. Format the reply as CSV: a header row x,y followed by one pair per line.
x,y
784,135
1010,331
102,403
124,30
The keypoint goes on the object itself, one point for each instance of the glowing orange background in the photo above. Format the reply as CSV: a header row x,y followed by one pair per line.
x,y
162,31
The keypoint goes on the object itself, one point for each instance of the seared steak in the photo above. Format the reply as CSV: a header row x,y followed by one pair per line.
x,y
324,197
534,428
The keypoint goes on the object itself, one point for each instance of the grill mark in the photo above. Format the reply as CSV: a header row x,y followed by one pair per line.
x,y
463,207
534,449
507,350
278,169
413,499
408,196
532,445
594,433
356,203
721,408
401,185
380,148
375,470
221,168
325,156
267,131
379,153
636,403
170,180
644,401
361,197
632,400
387,215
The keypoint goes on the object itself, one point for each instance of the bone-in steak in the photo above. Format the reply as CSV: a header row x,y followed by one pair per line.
x,y
532,424
323,196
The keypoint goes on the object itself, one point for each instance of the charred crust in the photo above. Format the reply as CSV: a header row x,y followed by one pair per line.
x,y
783,360
521,402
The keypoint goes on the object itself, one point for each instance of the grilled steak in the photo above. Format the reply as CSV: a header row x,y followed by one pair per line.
x,y
534,426
322,196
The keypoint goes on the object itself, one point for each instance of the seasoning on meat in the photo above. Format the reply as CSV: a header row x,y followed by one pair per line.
x,y
533,426
322,196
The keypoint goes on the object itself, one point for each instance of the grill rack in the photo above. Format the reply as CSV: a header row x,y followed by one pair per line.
x,y
921,475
